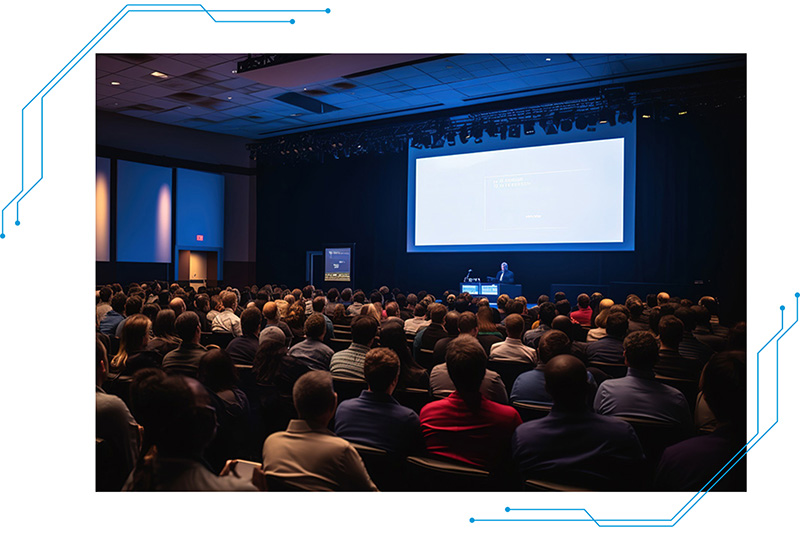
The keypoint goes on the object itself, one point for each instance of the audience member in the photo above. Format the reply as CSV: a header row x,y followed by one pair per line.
x,y
133,353
349,362
412,374
451,321
242,350
313,352
307,456
488,333
186,357
608,349
104,305
512,348
318,306
547,312
670,362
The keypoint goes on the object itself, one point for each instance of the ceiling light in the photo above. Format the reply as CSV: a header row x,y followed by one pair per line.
x,y
683,112
230,97
158,74
646,116
547,59
581,122
115,83
566,124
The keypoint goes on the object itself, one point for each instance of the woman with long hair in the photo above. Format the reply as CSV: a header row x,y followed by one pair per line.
x,y
165,339
296,319
133,353
412,375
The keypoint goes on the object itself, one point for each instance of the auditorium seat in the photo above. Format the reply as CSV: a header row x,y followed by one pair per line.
x,y
347,388
110,473
532,411
654,436
385,469
337,345
113,345
540,485
220,339
414,399
425,359
119,386
429,474
612,369
509,371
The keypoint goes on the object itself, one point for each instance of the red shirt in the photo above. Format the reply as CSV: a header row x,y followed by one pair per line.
x,y
582,316
482,438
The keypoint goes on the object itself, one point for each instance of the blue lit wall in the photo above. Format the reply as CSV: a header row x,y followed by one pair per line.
x,y
144,213
200,211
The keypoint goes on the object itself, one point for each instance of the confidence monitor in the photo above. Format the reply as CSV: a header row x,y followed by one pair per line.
x,y
572,191
338,263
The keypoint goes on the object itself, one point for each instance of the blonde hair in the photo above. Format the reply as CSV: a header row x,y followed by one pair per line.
x,y
134,333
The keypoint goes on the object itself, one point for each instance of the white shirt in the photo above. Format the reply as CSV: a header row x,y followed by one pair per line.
x,y
512,350
227,321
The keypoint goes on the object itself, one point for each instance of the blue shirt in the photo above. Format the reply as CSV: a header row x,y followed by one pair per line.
x,y
606,350
529,386
578,448
639,394
377,420
110,322
314,354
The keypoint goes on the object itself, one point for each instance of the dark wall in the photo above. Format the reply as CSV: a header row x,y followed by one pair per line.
x,y
690,220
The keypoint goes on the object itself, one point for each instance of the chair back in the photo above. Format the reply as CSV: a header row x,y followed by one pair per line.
x,y
347,388
385,469
109,467
509,371
337,345
221,338
414,399
113,345
532,411
441,475
540,485
689,388
655,436
425,359
613,370
118,385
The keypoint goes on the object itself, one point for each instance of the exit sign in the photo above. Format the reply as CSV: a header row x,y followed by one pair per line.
x,y
199,237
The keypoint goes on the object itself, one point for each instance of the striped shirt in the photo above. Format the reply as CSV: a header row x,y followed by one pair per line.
x,y
349,363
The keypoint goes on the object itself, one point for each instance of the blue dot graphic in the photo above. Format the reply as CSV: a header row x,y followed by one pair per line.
x,y
291,21
471,520
508,509
783,308
2,235
328,10
797,295
16,223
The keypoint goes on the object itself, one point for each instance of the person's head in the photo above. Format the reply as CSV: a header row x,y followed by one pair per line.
x,y
437,311
177,305
187,326
583,300
466,365
617,325
563,307
271,312
670,331
333,295
314,328
392,309
485,319
175,412
553,343
515,324
347,294
314,398
515,307
542,299
216,303
400,298
468,323
710,303
662,298
133,339
724,385
502,300
101,355
565,381
635,307
686,315
164,324
133,305
373,310
105,294
701,315
308,290
547,312
737,337
202,303
503,266
216,371
640,349
318,304
251,321
451,323
381,370
562,323
270,353
229,300
364,328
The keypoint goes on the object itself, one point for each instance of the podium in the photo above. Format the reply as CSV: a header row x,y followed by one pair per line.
x,y
492,290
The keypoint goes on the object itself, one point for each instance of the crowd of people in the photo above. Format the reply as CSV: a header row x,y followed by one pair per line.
x,y
235,389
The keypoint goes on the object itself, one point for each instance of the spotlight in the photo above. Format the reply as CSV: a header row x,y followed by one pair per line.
x,y
491,129
530,127
581,122
626,114
513,130
608,116
566,124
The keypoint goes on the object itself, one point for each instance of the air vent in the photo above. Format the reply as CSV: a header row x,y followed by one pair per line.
x,y
305,102
187,97
344,85
315,92
143,107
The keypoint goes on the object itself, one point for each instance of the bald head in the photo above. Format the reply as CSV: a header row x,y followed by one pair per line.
x,y
562,323
605,303
662,298
271,312
177,305
565,381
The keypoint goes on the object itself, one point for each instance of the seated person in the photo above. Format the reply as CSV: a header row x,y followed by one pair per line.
x,y
670,362
272,318
466,426
583,315
492,386
179,423
453,324
639,394
530,386
313,352
690,464
165,340
227,321
608,349
573,445
308,456
375,418
349,362
512,348
133,341
185,358
242,350
547,312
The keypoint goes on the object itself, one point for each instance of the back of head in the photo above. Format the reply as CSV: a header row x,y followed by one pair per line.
x,y
583,300
419,310
105,294
563,307
710,303
177,305
451,322
438,311
164,324
267,361
670,331
270,311
701,315
635,307
724,385
515,324
562,323
392,309
547,312
133,305
333,295
314,328
318,304
467,322
381,368
502,300
216,370
313,396
553,343
229,300
250,320
565,381
466,365
686,315
560,295
364,328
619,308
641,350
604,304
542,299
186,326
662,298
617,325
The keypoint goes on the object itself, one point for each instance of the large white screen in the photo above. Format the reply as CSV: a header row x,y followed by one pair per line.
x,y
531,195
